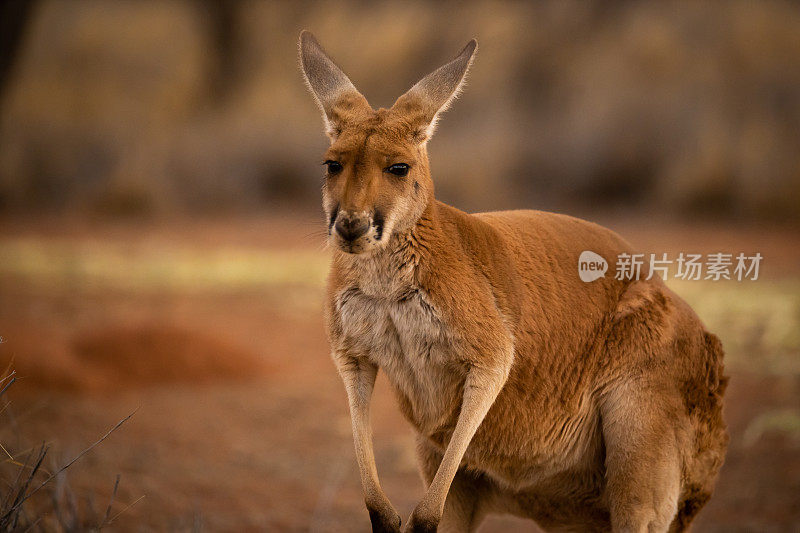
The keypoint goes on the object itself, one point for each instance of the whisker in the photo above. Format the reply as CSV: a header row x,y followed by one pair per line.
x,y
316,233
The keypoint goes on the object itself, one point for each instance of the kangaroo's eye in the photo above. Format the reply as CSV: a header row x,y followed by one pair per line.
x,y
398,169
334,167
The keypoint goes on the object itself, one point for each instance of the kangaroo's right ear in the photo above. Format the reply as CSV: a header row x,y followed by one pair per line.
x,y
335,94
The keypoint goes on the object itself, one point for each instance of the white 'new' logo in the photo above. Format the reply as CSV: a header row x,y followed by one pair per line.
x,y
591,266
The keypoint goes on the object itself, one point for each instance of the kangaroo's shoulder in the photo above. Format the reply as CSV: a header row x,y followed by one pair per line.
x,y
540,232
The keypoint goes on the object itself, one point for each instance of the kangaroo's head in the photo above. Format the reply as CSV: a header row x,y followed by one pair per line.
x,y
377,179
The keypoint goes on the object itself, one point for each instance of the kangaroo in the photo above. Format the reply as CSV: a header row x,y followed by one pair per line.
x,y
586,406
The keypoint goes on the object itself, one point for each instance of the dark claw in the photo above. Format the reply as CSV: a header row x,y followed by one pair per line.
x,y
426,527
422,525
382,523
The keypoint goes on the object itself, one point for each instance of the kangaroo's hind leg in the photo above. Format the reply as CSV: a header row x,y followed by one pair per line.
x,y
643,434
466,504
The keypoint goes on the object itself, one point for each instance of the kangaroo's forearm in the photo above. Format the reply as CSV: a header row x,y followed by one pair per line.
x,y
359,381
481,388
358,376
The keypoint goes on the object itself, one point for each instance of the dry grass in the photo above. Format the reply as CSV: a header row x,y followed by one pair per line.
x,y
758,322
33,498
108,266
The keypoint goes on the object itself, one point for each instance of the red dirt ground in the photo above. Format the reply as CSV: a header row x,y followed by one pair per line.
x,y
241,422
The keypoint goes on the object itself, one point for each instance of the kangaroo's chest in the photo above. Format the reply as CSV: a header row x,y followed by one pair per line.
x,y
403,333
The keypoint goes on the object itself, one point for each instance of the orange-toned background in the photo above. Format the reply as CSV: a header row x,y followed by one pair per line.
x,y
161,246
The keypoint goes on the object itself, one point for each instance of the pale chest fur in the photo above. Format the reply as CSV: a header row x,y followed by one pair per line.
x,y
386,317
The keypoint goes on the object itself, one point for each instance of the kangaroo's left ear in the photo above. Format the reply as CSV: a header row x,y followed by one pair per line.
x,y
335,94
423,103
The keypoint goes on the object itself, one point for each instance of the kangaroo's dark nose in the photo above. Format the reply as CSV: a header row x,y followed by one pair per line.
x,y
351,229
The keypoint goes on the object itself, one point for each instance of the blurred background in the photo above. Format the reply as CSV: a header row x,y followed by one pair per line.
x,y
162,244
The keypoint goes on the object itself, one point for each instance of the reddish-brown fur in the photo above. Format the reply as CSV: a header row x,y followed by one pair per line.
x,y
583,406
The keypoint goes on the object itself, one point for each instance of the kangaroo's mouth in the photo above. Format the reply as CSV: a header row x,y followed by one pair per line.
x,y
367,242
